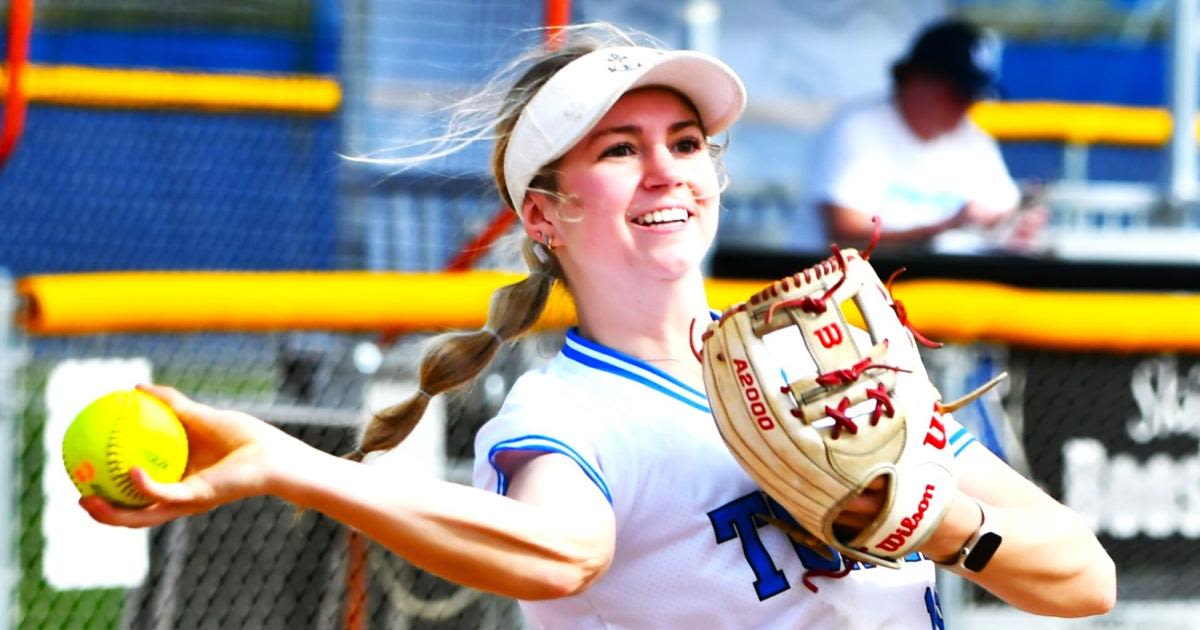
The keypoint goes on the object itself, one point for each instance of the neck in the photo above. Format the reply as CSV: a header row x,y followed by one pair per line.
x,y
913,116
652,322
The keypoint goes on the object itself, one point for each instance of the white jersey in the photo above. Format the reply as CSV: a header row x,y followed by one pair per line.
x,y
869,160
690,551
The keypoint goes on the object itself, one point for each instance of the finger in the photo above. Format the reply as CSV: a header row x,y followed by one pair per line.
x,y
853,522
866,506
156,514
175,399
180,492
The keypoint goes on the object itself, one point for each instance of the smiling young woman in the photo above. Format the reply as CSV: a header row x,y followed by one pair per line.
x,y
605,497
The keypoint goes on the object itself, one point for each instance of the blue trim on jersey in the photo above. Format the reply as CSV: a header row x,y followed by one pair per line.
x,y
960,434
606,359
542,444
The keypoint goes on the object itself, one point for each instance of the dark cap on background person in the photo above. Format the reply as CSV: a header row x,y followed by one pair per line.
x,y
958,51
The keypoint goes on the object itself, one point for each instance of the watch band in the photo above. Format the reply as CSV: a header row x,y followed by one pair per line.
x,y
982,545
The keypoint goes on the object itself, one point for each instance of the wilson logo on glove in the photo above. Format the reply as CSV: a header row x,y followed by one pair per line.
x,y
908,525
936,435
829,335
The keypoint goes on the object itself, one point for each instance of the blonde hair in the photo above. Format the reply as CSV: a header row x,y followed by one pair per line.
x,y
453,360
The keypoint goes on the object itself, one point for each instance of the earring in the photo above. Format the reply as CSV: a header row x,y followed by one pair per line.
x,y
549,242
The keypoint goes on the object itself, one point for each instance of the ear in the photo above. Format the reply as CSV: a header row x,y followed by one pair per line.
x,y
538,217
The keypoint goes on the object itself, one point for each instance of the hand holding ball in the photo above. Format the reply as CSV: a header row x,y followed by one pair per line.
x,y
120,431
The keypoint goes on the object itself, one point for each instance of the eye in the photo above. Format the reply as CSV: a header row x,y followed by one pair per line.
x,y
621,149
690,144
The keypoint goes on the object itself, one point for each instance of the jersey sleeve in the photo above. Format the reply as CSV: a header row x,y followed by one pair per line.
x,y
532,422
958,437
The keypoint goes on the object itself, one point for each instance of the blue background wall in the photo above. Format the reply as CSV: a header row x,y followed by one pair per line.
x,y
107,189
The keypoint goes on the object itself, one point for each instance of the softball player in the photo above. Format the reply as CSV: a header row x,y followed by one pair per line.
x,y
605,497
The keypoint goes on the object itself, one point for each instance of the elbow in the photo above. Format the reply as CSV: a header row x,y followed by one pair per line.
x,y
1093,591
568,577
1100,593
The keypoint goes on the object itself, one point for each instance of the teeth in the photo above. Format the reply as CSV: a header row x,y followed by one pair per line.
x,y
668,215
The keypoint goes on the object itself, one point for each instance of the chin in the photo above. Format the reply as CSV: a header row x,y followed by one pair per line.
x,y
675,267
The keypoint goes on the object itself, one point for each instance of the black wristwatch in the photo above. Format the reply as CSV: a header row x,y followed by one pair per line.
x,y
982,545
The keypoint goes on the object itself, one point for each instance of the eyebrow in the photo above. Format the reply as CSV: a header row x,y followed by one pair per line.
x,y
634,129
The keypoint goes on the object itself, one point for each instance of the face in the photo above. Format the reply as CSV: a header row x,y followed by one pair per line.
x,y
938,106
641,192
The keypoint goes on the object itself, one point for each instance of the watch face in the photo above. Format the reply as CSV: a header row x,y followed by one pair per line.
x,y
982,552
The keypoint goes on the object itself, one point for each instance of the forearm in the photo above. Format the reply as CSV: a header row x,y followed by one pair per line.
x,y
1049,562
463,534
847,225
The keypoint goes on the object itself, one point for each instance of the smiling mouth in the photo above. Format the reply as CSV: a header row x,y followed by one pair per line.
x,y
665,216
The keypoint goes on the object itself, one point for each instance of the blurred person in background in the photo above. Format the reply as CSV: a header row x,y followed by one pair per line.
x,y
914,158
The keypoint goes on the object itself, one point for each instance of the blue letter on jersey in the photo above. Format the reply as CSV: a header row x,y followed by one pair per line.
x,y
736,519
934,607
809,558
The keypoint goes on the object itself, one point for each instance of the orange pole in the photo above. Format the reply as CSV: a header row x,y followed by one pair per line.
x,y
558,15
20,27
356,581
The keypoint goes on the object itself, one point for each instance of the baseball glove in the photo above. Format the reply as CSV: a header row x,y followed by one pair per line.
x,y
815,424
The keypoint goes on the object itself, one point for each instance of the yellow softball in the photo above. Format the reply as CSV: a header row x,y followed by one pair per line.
x,y
119,431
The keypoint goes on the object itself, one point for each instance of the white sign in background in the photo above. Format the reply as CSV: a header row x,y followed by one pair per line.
x,y
79,552
1156,496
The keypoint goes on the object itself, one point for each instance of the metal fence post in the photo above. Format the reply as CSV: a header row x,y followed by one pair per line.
x,y
10,396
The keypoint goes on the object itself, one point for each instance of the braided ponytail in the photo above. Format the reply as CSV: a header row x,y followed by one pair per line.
x,y
455,359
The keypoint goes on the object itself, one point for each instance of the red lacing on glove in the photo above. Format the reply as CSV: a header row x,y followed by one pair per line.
x,y
876,233
692,341
846,376
883,404
808,303
902,314
840,419
848,565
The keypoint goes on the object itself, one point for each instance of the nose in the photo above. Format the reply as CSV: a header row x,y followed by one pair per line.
x,y
662,169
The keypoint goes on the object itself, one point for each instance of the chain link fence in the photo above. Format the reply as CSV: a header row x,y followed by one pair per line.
x,y
255,563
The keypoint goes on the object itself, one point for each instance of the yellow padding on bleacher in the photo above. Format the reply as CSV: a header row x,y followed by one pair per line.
x,y
1073,123
189,301
161,89
960,311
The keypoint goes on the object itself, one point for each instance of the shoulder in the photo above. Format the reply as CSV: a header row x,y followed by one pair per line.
x,y
860,127
873,112
540,398
542,414
969,133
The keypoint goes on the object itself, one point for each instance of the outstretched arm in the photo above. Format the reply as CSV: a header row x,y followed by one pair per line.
x,y
1049,562
551,537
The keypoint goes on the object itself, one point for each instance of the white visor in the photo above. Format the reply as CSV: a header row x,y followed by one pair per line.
x,y
581,93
